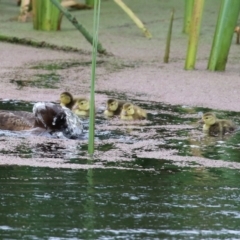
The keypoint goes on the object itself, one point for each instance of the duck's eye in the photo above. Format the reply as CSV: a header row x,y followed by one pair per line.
x,y
81,103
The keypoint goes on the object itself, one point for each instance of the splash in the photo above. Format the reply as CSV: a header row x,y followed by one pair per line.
x,y
58,120
74,127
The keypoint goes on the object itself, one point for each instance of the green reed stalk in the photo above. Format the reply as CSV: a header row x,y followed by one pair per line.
x,y
227,21
169,37
45,15
194,34
96,18
187,15
79,26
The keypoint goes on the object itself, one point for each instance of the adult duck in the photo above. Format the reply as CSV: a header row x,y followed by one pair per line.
x,y
45,117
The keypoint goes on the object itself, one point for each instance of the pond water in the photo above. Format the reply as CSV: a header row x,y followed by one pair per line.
x,y
127,190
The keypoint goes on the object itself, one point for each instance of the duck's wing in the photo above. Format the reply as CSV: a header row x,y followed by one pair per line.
x,y
26,115
13,122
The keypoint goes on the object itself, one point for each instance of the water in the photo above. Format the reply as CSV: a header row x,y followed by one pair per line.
x,y
45,203
126,191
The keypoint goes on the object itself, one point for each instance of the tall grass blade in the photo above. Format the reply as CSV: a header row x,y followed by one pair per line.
x,y
96,18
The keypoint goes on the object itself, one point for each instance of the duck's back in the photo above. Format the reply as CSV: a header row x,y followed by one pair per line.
x,y
139,114
222,127
13,121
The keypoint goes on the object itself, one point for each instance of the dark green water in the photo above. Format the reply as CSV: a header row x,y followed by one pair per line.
x,y
44,203
141,198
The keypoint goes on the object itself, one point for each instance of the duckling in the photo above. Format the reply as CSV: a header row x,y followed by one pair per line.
x,y
132,112
81,107
214,126
114,107
67,100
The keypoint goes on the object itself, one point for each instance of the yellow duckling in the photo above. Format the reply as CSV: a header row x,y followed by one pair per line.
x,y
114,107
81,107
67,100
132,112
214,126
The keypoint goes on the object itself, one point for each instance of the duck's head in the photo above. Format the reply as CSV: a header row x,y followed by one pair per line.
x,y
66,99
209,118
128,109
112,105
82,104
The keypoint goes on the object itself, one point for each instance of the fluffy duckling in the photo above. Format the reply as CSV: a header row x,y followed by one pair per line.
x,y
132,112
81,107
114,107
214,126
67,100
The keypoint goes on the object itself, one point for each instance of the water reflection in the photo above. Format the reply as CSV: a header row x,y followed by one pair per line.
x,y
44,203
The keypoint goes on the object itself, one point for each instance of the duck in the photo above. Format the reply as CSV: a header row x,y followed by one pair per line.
x,y
81,107
46,117
67,100
214,126
114,107
132,112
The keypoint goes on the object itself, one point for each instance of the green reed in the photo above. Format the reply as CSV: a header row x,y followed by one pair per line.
x,y
96,18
